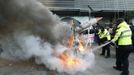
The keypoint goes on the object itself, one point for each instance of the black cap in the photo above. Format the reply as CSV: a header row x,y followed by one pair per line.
x,y
119,20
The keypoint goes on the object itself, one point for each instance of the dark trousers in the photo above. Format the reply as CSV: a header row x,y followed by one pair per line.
x,y
98,40
106,48
122,54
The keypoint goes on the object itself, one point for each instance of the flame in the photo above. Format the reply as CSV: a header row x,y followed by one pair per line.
x,y
72,61
67,60
81,47
70,41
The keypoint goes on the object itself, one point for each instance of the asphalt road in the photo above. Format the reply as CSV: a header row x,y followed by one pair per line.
x,y
103,66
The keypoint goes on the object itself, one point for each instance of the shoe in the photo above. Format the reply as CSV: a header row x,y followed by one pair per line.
x,y
101,54
1,50
116,68
123,73
107,56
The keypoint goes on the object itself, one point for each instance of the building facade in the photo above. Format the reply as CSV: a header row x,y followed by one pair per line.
x,y
104,8
95,4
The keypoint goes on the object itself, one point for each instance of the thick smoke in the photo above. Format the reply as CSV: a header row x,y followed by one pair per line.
x,y
28,15
28,29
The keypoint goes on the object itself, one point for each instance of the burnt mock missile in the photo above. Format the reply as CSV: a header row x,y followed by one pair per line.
x,y
88,24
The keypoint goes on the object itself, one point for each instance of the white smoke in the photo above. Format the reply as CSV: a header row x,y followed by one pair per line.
x,y
28,29
24,46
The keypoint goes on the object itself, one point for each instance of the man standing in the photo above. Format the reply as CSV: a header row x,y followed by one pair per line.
x,y
123,37
105,36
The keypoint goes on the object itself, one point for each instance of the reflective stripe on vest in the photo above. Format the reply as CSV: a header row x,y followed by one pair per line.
x,y
126,31
124,36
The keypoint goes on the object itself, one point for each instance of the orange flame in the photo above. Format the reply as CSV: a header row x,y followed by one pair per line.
x,y
67,60
73,61
70,41
80,46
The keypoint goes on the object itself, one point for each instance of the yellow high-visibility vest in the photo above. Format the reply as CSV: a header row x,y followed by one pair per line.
x,y
99,32
123,34
105,34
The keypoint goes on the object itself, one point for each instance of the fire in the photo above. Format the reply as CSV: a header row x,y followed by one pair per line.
x,y
67,60
81,47
72,61
70,41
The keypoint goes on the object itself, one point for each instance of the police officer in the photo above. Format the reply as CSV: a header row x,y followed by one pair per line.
x,y
105,36
98,36
124,42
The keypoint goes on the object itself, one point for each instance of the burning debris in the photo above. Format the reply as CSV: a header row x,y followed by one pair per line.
x,y
67,60
28,29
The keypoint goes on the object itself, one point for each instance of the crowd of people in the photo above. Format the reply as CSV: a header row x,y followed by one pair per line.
x,y
122,38
120,35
